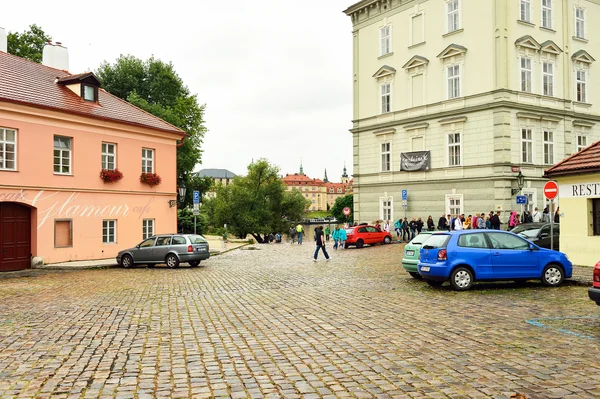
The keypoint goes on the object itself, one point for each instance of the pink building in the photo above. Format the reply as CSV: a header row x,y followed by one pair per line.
x,y
57,133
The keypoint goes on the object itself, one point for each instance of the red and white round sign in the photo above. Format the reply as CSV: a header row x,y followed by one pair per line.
x,y
346,211
551,190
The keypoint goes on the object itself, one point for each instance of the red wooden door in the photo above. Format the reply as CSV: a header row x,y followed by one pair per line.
x,y
15,237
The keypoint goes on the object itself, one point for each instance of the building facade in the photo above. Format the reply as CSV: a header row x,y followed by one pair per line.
x,y
221,177
578,179
321,193
58,133
451,97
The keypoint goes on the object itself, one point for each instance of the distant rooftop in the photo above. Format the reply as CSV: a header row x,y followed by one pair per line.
x,y
216,173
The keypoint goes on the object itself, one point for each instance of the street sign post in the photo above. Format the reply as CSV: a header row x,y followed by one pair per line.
x,y
551,192
404,195
196,197
521,199
405,201
347,211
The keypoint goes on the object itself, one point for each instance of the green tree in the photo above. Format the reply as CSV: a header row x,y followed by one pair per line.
x,y
29,44
155,87
258,204
337,210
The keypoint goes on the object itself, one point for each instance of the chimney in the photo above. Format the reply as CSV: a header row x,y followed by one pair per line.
x,y
56,56
3,45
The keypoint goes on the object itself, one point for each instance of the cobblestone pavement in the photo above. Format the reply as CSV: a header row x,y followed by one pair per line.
x,y
271,323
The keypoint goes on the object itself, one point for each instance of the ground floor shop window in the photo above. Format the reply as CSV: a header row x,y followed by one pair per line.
x,y
596,216
109,231
63,233
147,228
386,208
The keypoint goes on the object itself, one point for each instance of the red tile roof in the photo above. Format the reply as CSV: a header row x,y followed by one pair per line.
x,y
29,83
584,161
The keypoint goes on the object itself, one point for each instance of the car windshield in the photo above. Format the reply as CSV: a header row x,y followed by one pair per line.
x,y
436,241
528,233
524,227
420,239
197,240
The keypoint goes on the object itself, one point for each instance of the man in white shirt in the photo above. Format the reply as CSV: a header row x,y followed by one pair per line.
x,y
458,224
537,216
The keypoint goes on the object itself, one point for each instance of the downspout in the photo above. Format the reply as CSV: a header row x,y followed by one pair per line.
x,y
182,142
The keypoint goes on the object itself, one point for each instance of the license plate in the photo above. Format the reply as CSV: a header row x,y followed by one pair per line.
x,y
425,268
410,253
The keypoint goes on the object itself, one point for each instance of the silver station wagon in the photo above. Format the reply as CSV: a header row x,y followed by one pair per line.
x,y
171,249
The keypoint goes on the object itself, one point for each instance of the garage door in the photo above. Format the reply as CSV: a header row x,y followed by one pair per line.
x,y
15,237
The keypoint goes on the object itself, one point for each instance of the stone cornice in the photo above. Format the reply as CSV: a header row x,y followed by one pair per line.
x,y
367,9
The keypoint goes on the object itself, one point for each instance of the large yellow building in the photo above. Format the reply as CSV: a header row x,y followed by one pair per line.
x,y
450,95
578,179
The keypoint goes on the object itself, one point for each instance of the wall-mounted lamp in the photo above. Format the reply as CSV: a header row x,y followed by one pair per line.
x,y
181,191
520,184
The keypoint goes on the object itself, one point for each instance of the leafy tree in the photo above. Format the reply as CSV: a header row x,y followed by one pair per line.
x,y
185,222
29,44
337,210
155,87
258,204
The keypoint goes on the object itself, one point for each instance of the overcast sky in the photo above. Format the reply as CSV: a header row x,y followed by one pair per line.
x,y
275,75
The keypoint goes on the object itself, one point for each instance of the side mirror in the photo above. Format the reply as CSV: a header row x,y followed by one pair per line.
x,y
545,235
532,247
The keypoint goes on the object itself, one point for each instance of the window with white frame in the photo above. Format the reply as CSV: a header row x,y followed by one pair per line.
x,y
547,14
385,36
526,10
386,208
62,155
453,81
581,141
109,231
548,147
548,78
454,204
109,156
580,22
147,160
454,149
526,74
453,15
8,149
386,157
526,145
581,79
147,228
386,98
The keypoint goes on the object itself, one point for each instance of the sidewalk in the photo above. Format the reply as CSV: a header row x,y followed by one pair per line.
x,y
111,262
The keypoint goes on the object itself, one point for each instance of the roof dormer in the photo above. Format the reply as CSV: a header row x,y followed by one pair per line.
x,y
85,85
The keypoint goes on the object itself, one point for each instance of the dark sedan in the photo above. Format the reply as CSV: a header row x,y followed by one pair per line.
x,y
539,233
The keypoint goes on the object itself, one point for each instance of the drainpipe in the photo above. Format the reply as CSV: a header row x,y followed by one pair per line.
x,y
182,141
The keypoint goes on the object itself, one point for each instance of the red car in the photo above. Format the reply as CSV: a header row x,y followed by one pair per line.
x,y
361,235
594,290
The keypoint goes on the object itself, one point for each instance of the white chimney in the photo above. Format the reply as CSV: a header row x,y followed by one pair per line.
x,y
56,56
3,44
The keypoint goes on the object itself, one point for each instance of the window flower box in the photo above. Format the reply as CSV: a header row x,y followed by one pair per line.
x,y
151,179
111,176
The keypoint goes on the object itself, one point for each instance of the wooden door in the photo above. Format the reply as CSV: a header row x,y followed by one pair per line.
x,y
15,237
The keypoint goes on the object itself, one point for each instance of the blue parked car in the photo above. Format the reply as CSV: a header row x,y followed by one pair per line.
x,y
477,255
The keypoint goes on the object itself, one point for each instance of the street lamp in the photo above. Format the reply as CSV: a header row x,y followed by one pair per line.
x,y
520,184
181,191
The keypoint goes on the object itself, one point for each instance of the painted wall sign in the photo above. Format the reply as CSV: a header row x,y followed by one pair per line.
x,y
581,190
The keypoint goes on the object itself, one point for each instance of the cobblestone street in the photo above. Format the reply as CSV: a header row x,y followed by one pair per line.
x,y
272,323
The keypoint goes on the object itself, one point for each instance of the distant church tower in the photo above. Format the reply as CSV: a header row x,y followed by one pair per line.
x,y
326,180
301,168
345,178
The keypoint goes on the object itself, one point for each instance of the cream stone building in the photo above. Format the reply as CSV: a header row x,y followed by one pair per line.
x,y
464,93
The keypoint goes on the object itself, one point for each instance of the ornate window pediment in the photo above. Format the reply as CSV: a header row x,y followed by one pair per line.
x,y
582,56
550,47
415,62
452,50
384,71
528,42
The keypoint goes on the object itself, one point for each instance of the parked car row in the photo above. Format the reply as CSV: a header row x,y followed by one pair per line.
x,y
170,249
463,257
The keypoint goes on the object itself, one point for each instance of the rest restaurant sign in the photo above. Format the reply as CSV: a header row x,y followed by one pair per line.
x,y
579,190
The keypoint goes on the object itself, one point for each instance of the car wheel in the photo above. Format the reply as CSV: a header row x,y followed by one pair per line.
x,y
126,261
415,275
194,263
346,246
387,240
434,283
360,243
461,279
172,261
552,275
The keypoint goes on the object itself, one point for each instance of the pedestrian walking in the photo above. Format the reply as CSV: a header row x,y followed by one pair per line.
x,y
342,237
513,221
327,233
386,226
481,222
537,216
292,234
495,221
320,241
300,231
557,215
335,236
405,230
398,228
442,223
458,224
546,215
430,224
